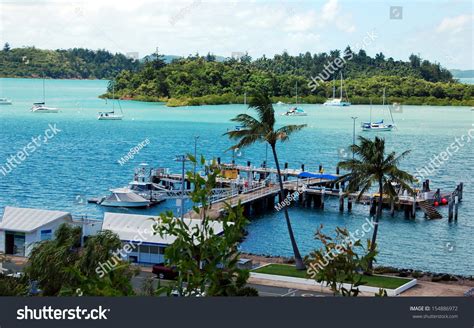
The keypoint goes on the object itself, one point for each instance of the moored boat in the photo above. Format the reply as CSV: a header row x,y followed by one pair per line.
x,y
5,101
337,102
124,197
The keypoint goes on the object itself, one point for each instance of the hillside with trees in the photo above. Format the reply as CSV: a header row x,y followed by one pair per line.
x,y
198,80
76,63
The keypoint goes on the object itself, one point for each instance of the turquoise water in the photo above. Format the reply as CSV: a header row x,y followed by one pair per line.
x,y
81,160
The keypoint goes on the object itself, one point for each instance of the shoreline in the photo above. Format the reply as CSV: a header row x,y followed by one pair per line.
x,y
232,100
445,278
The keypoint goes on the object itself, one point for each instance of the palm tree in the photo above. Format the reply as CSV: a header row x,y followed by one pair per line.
x,y
262,129
371,167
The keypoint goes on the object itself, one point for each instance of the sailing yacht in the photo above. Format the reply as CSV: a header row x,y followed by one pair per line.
x,y
40,107
339,102
5,101
111,116
380,125
295,111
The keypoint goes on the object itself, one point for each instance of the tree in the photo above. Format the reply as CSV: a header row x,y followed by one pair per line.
x,y
6,47
62,267
262,129
372,166
206,262
340,261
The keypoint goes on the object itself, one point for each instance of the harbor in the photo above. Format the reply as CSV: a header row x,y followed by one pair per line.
x,y
58,179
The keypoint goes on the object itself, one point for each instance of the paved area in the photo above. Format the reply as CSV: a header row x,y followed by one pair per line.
x,y
263,290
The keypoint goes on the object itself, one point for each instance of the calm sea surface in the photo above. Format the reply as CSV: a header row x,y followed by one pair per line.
x,y
82,160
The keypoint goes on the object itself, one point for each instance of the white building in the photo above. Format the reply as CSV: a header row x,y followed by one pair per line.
x,y
21,228
140,244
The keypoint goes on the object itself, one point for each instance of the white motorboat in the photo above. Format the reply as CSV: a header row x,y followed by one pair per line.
x,y
124,197
295,111
5,101
111,116
337,102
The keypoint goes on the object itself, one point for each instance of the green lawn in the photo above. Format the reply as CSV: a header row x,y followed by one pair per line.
x,y
373,281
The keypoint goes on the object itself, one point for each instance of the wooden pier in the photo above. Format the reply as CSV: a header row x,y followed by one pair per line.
x,y
260,194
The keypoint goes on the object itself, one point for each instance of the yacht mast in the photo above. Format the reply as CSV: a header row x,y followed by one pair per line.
x,y
341,86
44,93
296,87
334,88
113,97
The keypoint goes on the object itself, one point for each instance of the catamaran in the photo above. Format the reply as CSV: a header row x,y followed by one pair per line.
x,y
111,116
5,101
40,107
295,111
339,102
380,125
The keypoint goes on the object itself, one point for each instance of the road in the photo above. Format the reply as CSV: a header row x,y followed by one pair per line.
x,y
269,291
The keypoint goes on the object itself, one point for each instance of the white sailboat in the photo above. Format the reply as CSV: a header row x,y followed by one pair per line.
x,y
380,125
40,107
111,116
338,102
5,101
295,111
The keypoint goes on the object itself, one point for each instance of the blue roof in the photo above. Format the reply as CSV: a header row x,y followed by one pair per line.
x,y
304,175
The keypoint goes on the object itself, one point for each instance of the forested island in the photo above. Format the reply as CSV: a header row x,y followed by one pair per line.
x,y
76,63
198,80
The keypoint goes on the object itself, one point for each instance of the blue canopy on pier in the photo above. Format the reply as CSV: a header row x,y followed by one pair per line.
x,y
305,175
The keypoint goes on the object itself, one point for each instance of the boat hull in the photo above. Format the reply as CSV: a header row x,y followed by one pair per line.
x,y
110,118
125,204
45,111
378,129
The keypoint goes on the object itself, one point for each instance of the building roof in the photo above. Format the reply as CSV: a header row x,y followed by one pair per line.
x,y
29,219
139,228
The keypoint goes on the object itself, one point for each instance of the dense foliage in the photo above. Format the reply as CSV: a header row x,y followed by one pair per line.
x,y
74,63
206,263
200,80
62,267
340,260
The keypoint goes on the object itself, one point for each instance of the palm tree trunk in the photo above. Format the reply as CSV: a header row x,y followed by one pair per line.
x,y
298,260
378,215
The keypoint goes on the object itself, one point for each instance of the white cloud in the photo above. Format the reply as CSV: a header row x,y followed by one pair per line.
x,y
456,24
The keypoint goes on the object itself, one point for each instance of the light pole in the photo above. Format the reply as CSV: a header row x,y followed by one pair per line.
x,y
182,159
195,154
354,118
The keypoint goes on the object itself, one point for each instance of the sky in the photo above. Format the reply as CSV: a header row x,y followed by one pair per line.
x,y
437,30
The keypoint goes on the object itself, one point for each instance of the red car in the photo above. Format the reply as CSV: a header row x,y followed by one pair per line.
x,y
164,272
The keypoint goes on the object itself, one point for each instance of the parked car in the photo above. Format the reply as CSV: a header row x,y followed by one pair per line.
x,y
164,272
